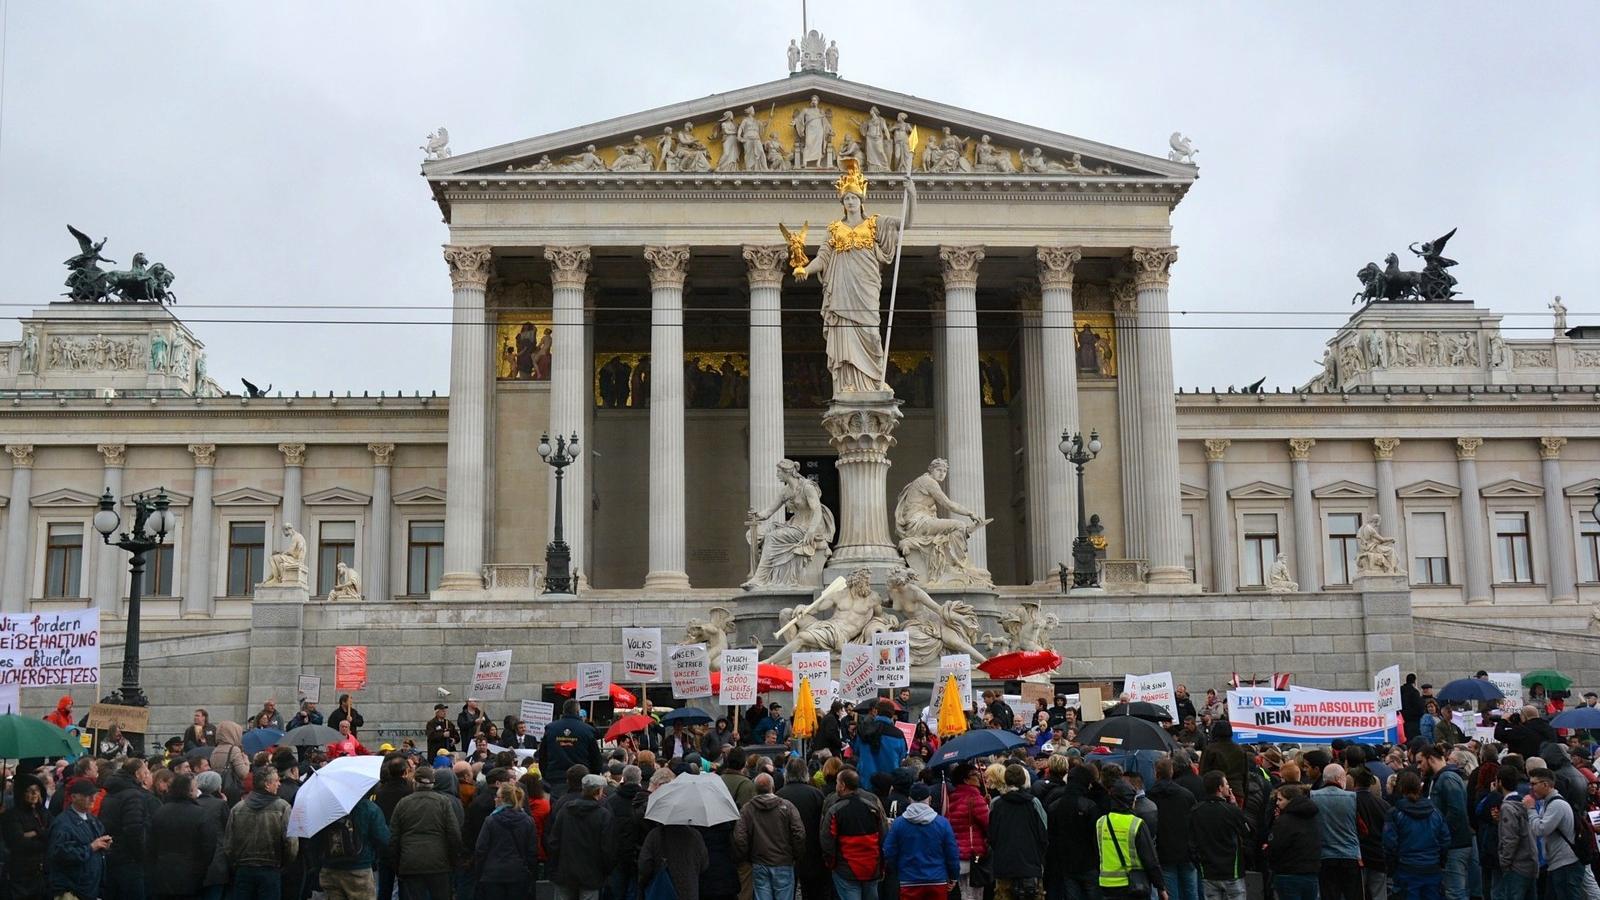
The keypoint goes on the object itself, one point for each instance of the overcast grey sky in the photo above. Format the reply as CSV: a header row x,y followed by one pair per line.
x,y
267,152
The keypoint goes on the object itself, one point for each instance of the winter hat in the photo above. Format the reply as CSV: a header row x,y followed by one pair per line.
x,y
920,793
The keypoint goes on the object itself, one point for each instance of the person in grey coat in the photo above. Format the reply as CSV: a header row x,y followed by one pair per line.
x,y
1519,860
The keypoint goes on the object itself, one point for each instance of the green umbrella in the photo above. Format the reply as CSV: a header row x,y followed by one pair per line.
x,y
22,737
1550,678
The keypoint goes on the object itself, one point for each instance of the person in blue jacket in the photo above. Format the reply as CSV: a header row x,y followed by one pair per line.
x,y
921,848
1416,841
878,745
75,856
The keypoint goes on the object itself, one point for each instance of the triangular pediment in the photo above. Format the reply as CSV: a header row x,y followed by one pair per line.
x,y
1188,491
1260,490
1428,489
1344,490
566,154
64,498
1582,489
1513,487
337,496
174,498
420,496
246,496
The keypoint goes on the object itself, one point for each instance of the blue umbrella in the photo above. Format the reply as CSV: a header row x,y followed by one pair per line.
x,y
259,739
973,744
1464,690
1578,717
688,715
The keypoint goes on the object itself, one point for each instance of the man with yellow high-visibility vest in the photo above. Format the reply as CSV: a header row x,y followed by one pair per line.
x,y
1129,867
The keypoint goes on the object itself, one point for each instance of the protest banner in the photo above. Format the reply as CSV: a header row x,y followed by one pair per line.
x,y
47,649
1130,689
131,719
894,658
959,665
1158,688
691,671
1386,684
1510,684
491,674
309,687
1090,703
818,667
594,681
538,714
349,668
856,673
641,654
1033,692
1307,716
738,686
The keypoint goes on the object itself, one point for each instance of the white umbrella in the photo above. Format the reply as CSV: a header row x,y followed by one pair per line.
x,y
692,800
331,792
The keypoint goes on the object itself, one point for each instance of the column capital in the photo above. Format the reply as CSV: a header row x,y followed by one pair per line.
x,y
766,264
1550,447
115,454
1124,296
1152,265
1383,448
959,266
469,266
1300,448
1216,448
204,454
569,265
21,456
293,454
1467,448
382,454
1056,264
669,266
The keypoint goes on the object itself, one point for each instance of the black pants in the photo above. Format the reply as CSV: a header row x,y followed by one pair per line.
x,y
432,886
1340,879
814,882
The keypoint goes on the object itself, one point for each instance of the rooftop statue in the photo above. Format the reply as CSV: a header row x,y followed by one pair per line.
x,y
88,283
1390,283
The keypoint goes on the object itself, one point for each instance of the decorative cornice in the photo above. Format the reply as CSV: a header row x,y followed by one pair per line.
x,y
569,266
382,454
1216,448
1467,448
766,264
1056,264
1124,296
204,454
293,454
469,266
115,455
669,266
1550,447
959,266
1300,448
21,455
1152,266
1383,448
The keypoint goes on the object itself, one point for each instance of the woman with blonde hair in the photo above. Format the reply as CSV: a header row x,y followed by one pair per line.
x,y
506,858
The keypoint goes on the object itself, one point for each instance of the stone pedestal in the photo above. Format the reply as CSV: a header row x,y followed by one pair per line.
x,y
277,641
861,428
1388,629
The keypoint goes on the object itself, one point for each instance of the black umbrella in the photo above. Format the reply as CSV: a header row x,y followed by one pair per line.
x,y
870,705
1127,733
1140,710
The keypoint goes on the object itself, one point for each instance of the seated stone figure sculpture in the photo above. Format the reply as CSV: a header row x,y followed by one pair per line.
x,y
933,542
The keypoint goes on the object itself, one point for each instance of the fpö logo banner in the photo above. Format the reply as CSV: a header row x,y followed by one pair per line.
x,y
1308,716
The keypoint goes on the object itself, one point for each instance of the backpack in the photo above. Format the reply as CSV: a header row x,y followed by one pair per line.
x,y
870,730
342,841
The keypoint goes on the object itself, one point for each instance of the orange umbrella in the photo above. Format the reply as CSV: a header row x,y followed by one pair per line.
x,y
952,713
805,710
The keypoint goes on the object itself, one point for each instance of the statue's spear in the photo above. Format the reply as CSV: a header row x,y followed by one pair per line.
x,y
900,240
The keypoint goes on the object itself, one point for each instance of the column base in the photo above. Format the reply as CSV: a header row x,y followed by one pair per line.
x,y
1172,580
1568,600
1479,601
666,581
461,581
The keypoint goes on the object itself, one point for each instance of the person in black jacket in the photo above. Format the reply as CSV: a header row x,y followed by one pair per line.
x,y
1219,836
1017,838
25,828
1294,847
506,854
567,742
1411,707
620,802
126,812
830,731
582,842
811,873
183,839
346,710
484,804
1525,733
1174,804
1073,858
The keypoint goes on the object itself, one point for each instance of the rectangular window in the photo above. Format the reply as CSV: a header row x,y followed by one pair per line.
x,y
1341,549
247,549
63,561
1260,547
1430,561
1512,547
424,557
158,572
1588,547
1188,545
336,543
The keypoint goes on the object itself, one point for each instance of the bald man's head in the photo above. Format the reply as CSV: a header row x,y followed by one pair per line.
x,y
1333,774
763,783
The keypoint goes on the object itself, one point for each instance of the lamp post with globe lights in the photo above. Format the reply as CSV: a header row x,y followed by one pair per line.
x,y
152,521
557,555
1085,570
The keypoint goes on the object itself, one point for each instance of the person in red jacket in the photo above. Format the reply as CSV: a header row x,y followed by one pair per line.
x,y
62,716
968,813
346,745
852,839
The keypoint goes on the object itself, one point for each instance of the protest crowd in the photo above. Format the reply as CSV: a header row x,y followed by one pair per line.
x,y
1469,801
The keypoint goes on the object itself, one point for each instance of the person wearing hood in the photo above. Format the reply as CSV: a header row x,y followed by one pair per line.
x,y
1294,846
1223,755
1416,840
582,843
183,839
506,853
921,849
1129,863
1571,784
126,813
256,842
61,716
230,761
1515,850
1017,837
878,745
771,838
1448,791
25,828
1071,860
1219,836
1174,805
347,850
425,838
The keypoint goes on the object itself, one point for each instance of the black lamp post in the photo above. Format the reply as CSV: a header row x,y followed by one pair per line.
x,y
557,555
1085,571
151,522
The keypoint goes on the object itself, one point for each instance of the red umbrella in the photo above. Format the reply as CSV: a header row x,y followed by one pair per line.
x,y
769,678
620,696
1021,663
628,725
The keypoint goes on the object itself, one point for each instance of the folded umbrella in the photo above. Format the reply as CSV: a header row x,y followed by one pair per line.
x,y
1577,717
628,725
1463,690
688,715
24,737
259,739
308,736
805,711
620,696
952,714
1127,733
692,800
331,792
973,744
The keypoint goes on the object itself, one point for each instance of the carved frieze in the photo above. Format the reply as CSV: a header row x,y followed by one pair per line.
x,y
94,354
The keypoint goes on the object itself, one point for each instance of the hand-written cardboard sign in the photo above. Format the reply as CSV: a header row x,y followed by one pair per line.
x,y
594,681
738,678
959,665
309,687
491,675
131,719
1386,684
691,672
538,714
641,654
856,673
818,667
349,668
1510,684
894,658
49,649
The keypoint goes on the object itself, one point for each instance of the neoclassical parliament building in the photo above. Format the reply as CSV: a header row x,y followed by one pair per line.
x,y
626,281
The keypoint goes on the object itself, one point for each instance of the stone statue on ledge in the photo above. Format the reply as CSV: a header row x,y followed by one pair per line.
x,y
346,584
857,615
713,633
935,629
438,144
792,552
1027,627
289,566
1374,552
932,541
1182,151
88,283
1278,579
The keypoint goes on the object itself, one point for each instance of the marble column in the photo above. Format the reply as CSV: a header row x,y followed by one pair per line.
x,y
1051,380
766,268
198,593
376,562
1305,515
1562,563
959,378
467,428
19,523
1130,425
941,400
668,554
294,467
111,567
1223,578
1163,506
1388,504
572,395
1474,541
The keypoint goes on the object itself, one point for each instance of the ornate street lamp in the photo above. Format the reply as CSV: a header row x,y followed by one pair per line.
x,y
1085,571
557,555
152,520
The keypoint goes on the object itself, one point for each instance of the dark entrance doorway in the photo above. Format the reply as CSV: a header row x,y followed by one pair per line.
x,y
825,473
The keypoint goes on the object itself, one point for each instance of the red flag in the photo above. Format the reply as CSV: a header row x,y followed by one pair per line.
x,y
1280,680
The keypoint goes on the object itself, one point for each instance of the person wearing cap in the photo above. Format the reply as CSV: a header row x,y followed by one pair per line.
x,y
1129,866
425,844
921,849
441,733
582,843
75,854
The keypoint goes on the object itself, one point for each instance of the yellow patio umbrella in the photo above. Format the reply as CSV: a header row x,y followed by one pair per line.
x,y
952,715
805,711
